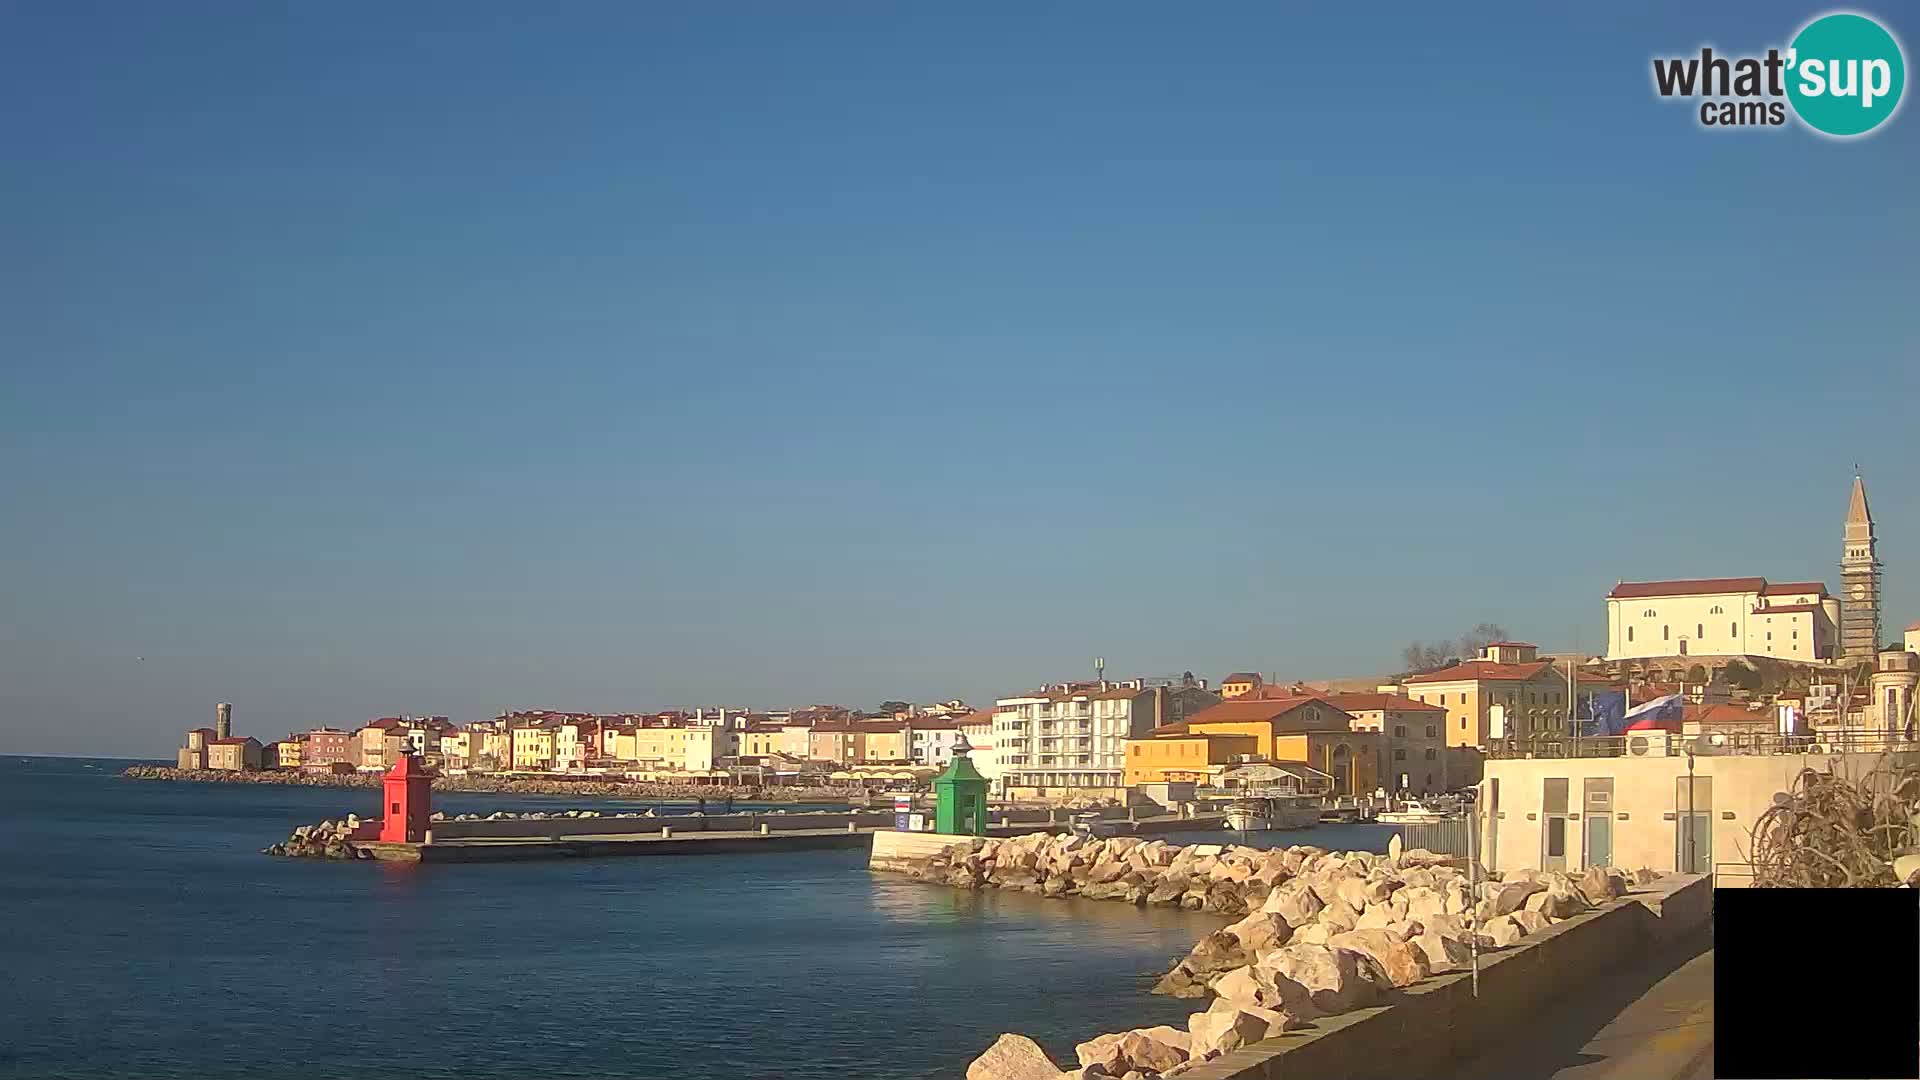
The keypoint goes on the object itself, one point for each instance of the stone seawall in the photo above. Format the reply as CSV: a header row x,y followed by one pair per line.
x,y
1322,934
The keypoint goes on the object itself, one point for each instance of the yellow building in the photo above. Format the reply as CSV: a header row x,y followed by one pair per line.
x,y
886,741
668,749
233,754
1239,684
762,741
1174,758
287,752
532,748
1305,729
1507,693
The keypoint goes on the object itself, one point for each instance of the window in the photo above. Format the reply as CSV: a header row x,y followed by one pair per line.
x,y
1400,731
1699,630
1663,633
1463,699
1399,755
1648,614
1796,635
1629,633
1433,731
1463,723
1733,629
1432,754
1717,610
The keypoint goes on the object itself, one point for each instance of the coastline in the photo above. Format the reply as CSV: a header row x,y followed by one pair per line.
x,y
486,785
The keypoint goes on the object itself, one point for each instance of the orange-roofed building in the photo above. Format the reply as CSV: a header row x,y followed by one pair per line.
x,y
1413,739
1305,728
1517,696
1240,684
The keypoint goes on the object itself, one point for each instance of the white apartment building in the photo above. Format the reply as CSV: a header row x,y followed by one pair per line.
x,y
1722,617
1071,737
931,739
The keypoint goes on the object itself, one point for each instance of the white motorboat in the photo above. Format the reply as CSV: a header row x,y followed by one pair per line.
x,y
1422,812
1273,812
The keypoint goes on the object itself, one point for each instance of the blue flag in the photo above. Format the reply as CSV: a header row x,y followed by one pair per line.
x,y
1602,712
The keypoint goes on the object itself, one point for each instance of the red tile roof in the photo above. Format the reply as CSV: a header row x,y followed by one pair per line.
x,y
1815,587
1483,671
234,740
1687,587
1244,710
1240,676
1725,714
937,723
1361,702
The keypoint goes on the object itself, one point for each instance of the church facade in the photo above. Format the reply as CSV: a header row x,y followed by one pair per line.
x,y
1751,616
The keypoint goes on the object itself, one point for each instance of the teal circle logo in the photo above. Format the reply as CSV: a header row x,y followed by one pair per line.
x,y
1845,74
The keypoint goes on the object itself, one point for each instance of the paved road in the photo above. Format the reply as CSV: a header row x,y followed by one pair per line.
x,y
1653,1021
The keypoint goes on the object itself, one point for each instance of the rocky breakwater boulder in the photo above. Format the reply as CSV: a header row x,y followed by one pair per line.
x,y
1324,932
326,840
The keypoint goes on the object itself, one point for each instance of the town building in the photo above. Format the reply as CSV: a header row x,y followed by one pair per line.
x,y
1912,638
1722,617
288,753
1070,738
1412,745
1656,806
380,742
575,741
1239,684
326,746
1859,579
233,754
932,738
978,729
1508,692
193,754
1303,729
532,746
690,749
887,741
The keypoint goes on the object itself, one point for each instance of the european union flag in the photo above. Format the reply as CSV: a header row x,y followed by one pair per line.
x,y
1602,712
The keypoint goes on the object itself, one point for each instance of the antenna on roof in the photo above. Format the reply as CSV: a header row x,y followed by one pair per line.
x,y
1100,669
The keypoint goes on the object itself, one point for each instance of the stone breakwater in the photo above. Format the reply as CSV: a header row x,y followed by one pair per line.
x,y
336,839
1320,933
610,789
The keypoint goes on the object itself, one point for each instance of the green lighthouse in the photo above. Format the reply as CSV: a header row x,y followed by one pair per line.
x,y
960,796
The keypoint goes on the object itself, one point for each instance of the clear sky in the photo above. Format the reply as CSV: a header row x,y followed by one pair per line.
x,y
363,358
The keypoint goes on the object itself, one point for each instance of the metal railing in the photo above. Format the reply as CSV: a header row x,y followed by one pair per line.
x,y
1675,744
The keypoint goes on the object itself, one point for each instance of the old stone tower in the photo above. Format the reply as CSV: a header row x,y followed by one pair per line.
x,y
1859,580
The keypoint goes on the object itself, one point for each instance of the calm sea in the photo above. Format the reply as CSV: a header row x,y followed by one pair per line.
x,y
142,934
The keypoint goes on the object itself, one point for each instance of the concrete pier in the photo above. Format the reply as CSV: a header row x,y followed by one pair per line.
x,y
524,839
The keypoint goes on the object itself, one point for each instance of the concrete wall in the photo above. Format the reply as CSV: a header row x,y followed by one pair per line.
x,y
1648,800
619,826
1439,1020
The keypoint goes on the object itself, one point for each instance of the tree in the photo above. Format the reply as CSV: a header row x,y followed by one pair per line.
x,y
1475,641
1424,656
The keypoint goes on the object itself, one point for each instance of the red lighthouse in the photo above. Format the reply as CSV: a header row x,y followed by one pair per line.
x,y
409,802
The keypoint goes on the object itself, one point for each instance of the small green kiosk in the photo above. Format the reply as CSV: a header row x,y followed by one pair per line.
x,y
960,796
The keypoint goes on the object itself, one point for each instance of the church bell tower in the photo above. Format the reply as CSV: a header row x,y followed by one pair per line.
x,y
1859,580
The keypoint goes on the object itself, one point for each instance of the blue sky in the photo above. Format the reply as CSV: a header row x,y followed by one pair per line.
x,y
364,358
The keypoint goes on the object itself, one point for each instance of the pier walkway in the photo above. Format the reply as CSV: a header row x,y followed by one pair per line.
x,y
1651,1021
690,837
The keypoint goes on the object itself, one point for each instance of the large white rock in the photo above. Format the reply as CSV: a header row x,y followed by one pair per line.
x,y
1231,1029
1328,977
1340,915
1295,902
1376,917
1013,1057
1261,931
1404,964
1314,933
1503,931
1154,1049
1353,892
1102,1051
1443,953
1531,921
1506,897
